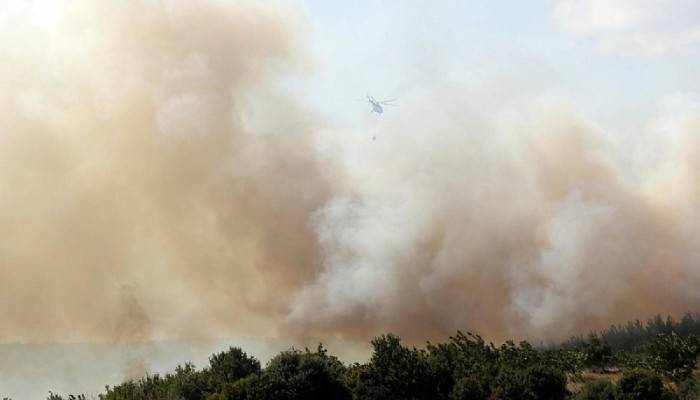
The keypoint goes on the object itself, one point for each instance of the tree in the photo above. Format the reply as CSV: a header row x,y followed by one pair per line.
x,y
673,356
229,366
470,388
185,384
56,396
296,375
466,358
533,382
396,372
597,354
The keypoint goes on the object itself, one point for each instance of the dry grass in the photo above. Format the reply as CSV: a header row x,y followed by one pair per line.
x,y
575,382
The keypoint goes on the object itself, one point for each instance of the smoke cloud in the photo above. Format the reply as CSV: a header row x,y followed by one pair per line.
x,y
142,198
156,184
509,215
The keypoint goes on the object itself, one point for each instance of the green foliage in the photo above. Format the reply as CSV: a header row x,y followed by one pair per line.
x,y
353,374
571,362
55,396
229,366
185,384
245,388
596,352
632,336
395,372
631,360
470,388
525,373
188,383
532,382
464,356
464,367
599,389
517,356
672,355
297,375
510,371
640,384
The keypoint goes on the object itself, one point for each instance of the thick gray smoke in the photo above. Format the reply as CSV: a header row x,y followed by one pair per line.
x,y
154,184
509,215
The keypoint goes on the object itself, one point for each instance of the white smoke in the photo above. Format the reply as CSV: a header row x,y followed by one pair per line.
x,y
508,216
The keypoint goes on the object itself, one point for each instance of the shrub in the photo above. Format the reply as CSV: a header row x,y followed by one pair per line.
x,y
673,356
597,353
642,384
293,375
229,366
396,372
470,388
535,382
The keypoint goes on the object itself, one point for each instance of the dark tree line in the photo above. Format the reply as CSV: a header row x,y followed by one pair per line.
x,y
632,336
465,367
659,364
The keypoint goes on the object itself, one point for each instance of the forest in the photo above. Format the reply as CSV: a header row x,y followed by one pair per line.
x,y
648,360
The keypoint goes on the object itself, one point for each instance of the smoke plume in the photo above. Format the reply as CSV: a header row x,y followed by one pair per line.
x,y
509,215
155,183
142,197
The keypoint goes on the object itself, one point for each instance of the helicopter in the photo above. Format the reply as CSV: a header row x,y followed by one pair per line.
x,y
377,105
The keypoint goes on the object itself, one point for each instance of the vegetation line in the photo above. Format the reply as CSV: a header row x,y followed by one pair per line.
x,y
646,361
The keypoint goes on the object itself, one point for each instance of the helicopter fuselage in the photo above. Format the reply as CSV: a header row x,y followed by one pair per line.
x,y
376,107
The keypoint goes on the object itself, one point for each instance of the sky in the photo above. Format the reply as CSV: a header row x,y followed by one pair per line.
x,y
179,176
593,52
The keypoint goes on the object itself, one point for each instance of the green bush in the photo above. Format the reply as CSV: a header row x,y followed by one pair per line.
x,y
597,354
642,384
465,357
186,383
673,356
470,388
396,372
534,382
296,375
465,367
55,396
229,366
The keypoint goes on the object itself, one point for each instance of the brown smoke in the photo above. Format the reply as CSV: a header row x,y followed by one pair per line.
x,y
154,185
506,215
141,196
